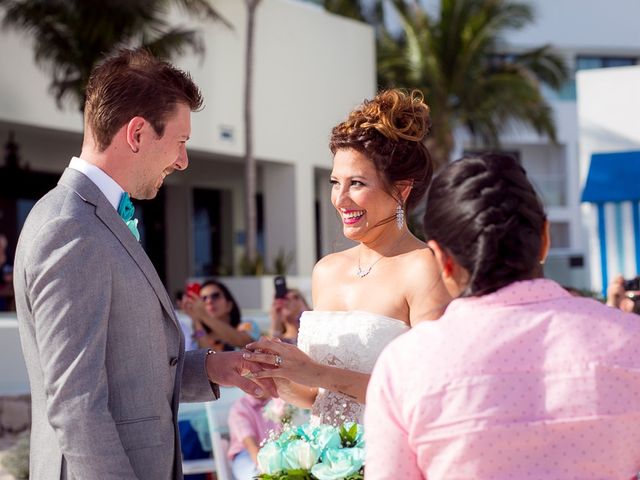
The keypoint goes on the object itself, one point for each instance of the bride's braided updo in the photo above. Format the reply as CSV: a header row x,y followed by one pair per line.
x,y
487,215
389,130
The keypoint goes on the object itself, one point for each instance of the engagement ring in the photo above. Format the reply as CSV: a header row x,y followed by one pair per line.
x,y
278,361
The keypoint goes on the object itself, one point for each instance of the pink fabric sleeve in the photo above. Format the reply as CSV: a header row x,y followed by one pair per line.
x,y
240,422
389,454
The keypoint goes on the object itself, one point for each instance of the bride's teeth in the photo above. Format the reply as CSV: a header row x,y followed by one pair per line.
x,y
353,214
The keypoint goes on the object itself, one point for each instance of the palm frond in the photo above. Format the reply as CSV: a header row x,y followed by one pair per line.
x,y
71,36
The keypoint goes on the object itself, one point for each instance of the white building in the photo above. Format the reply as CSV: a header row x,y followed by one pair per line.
x,y
609,116
586,34
311,68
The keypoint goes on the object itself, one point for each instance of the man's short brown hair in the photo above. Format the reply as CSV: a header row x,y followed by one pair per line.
x,y
134,83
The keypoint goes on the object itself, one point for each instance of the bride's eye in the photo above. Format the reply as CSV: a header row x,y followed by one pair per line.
x,y
333,182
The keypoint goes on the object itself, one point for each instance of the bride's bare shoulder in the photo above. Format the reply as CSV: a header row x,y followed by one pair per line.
x,y
420,257
333,262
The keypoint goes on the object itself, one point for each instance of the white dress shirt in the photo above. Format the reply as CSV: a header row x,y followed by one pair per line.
x,y
107,185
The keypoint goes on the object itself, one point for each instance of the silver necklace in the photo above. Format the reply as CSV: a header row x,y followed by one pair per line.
x,y
361,273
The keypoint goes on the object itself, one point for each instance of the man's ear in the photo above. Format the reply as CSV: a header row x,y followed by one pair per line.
x,y
134,133
444,260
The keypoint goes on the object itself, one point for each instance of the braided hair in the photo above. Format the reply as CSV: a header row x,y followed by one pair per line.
x,y
390,130
486,214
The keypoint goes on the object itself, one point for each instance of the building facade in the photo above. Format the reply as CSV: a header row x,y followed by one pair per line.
x,y
311,68
608,116
583,34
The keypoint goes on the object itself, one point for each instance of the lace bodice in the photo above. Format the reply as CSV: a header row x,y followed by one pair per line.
x,y
349,340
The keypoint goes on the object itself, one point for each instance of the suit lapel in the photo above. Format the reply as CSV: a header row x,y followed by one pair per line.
x,y
90,193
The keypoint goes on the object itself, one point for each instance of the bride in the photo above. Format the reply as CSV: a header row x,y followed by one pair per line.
x,y
367,295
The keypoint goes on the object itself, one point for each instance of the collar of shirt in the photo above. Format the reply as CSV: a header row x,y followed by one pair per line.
x,y
107,185
516,293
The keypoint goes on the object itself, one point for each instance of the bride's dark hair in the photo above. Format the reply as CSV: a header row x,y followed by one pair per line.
x,y
486,214
389,130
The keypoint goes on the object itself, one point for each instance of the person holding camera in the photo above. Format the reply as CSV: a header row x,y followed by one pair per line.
x,y
286,309
216,318
624,294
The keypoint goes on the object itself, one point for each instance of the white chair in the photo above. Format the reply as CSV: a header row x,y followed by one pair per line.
x,y
13,374
217,413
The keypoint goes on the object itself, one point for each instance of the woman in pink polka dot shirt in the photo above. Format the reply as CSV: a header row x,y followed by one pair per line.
x,y
518,379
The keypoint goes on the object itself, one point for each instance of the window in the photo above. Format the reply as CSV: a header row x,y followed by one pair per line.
x,y
208,238
588,62
584,62
560,237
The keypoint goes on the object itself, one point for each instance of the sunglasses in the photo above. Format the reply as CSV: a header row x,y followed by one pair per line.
x,y
212,296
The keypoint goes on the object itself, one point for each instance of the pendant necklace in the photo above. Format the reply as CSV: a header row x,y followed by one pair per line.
x,y
363,272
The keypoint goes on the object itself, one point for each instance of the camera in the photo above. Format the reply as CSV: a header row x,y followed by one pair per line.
x,y
633,284
280,284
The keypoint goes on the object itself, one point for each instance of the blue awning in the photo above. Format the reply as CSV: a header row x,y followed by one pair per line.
x,y
613,177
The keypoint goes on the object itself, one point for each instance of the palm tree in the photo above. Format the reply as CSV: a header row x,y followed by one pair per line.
x,y
459,62
71,36
251,260
364,11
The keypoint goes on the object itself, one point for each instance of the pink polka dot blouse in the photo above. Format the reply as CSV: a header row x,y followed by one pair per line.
x,y
528,382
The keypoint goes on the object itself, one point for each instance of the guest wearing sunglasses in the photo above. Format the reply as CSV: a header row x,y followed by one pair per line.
x,y
216,318
285,315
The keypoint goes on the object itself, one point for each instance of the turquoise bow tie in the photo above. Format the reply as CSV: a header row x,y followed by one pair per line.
x,y
126,211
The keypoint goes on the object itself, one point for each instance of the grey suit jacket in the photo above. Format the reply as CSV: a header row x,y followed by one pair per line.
x,y
104,352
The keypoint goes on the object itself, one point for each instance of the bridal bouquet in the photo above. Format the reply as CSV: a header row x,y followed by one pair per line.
x,y
307,452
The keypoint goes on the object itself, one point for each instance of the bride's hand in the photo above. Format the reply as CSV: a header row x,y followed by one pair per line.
x,y
289,361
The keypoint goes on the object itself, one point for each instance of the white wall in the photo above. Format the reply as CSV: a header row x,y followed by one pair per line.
x,y
608,117
311,68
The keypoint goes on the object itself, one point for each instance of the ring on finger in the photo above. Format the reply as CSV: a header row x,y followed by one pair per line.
x,y
278,361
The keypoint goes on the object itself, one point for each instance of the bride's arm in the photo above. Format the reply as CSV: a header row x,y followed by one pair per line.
x,y
296,394
297,367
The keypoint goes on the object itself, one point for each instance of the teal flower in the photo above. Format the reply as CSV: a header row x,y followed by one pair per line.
x,y
326,437
299,454
271,458
339,463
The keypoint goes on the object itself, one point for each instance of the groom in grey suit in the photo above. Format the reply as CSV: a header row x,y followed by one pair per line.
x,y
104,351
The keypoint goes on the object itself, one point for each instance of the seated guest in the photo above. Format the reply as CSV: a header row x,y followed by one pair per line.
x,y
518,379
285,315
248,428
216,318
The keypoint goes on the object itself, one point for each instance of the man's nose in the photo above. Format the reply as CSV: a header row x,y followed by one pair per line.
x,y
182,162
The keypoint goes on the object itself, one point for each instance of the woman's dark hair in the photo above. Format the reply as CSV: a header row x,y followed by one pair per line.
x,y
234,314
389,130
486,214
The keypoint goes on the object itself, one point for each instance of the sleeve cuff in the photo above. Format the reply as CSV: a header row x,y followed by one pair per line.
x,y
215,388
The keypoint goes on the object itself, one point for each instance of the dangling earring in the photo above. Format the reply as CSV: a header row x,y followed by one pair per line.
x,y
399,217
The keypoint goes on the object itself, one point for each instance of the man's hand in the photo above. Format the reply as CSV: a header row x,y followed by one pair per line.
x,y
230,369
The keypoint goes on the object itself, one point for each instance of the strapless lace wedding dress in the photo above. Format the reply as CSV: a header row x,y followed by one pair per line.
x,y
349,340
